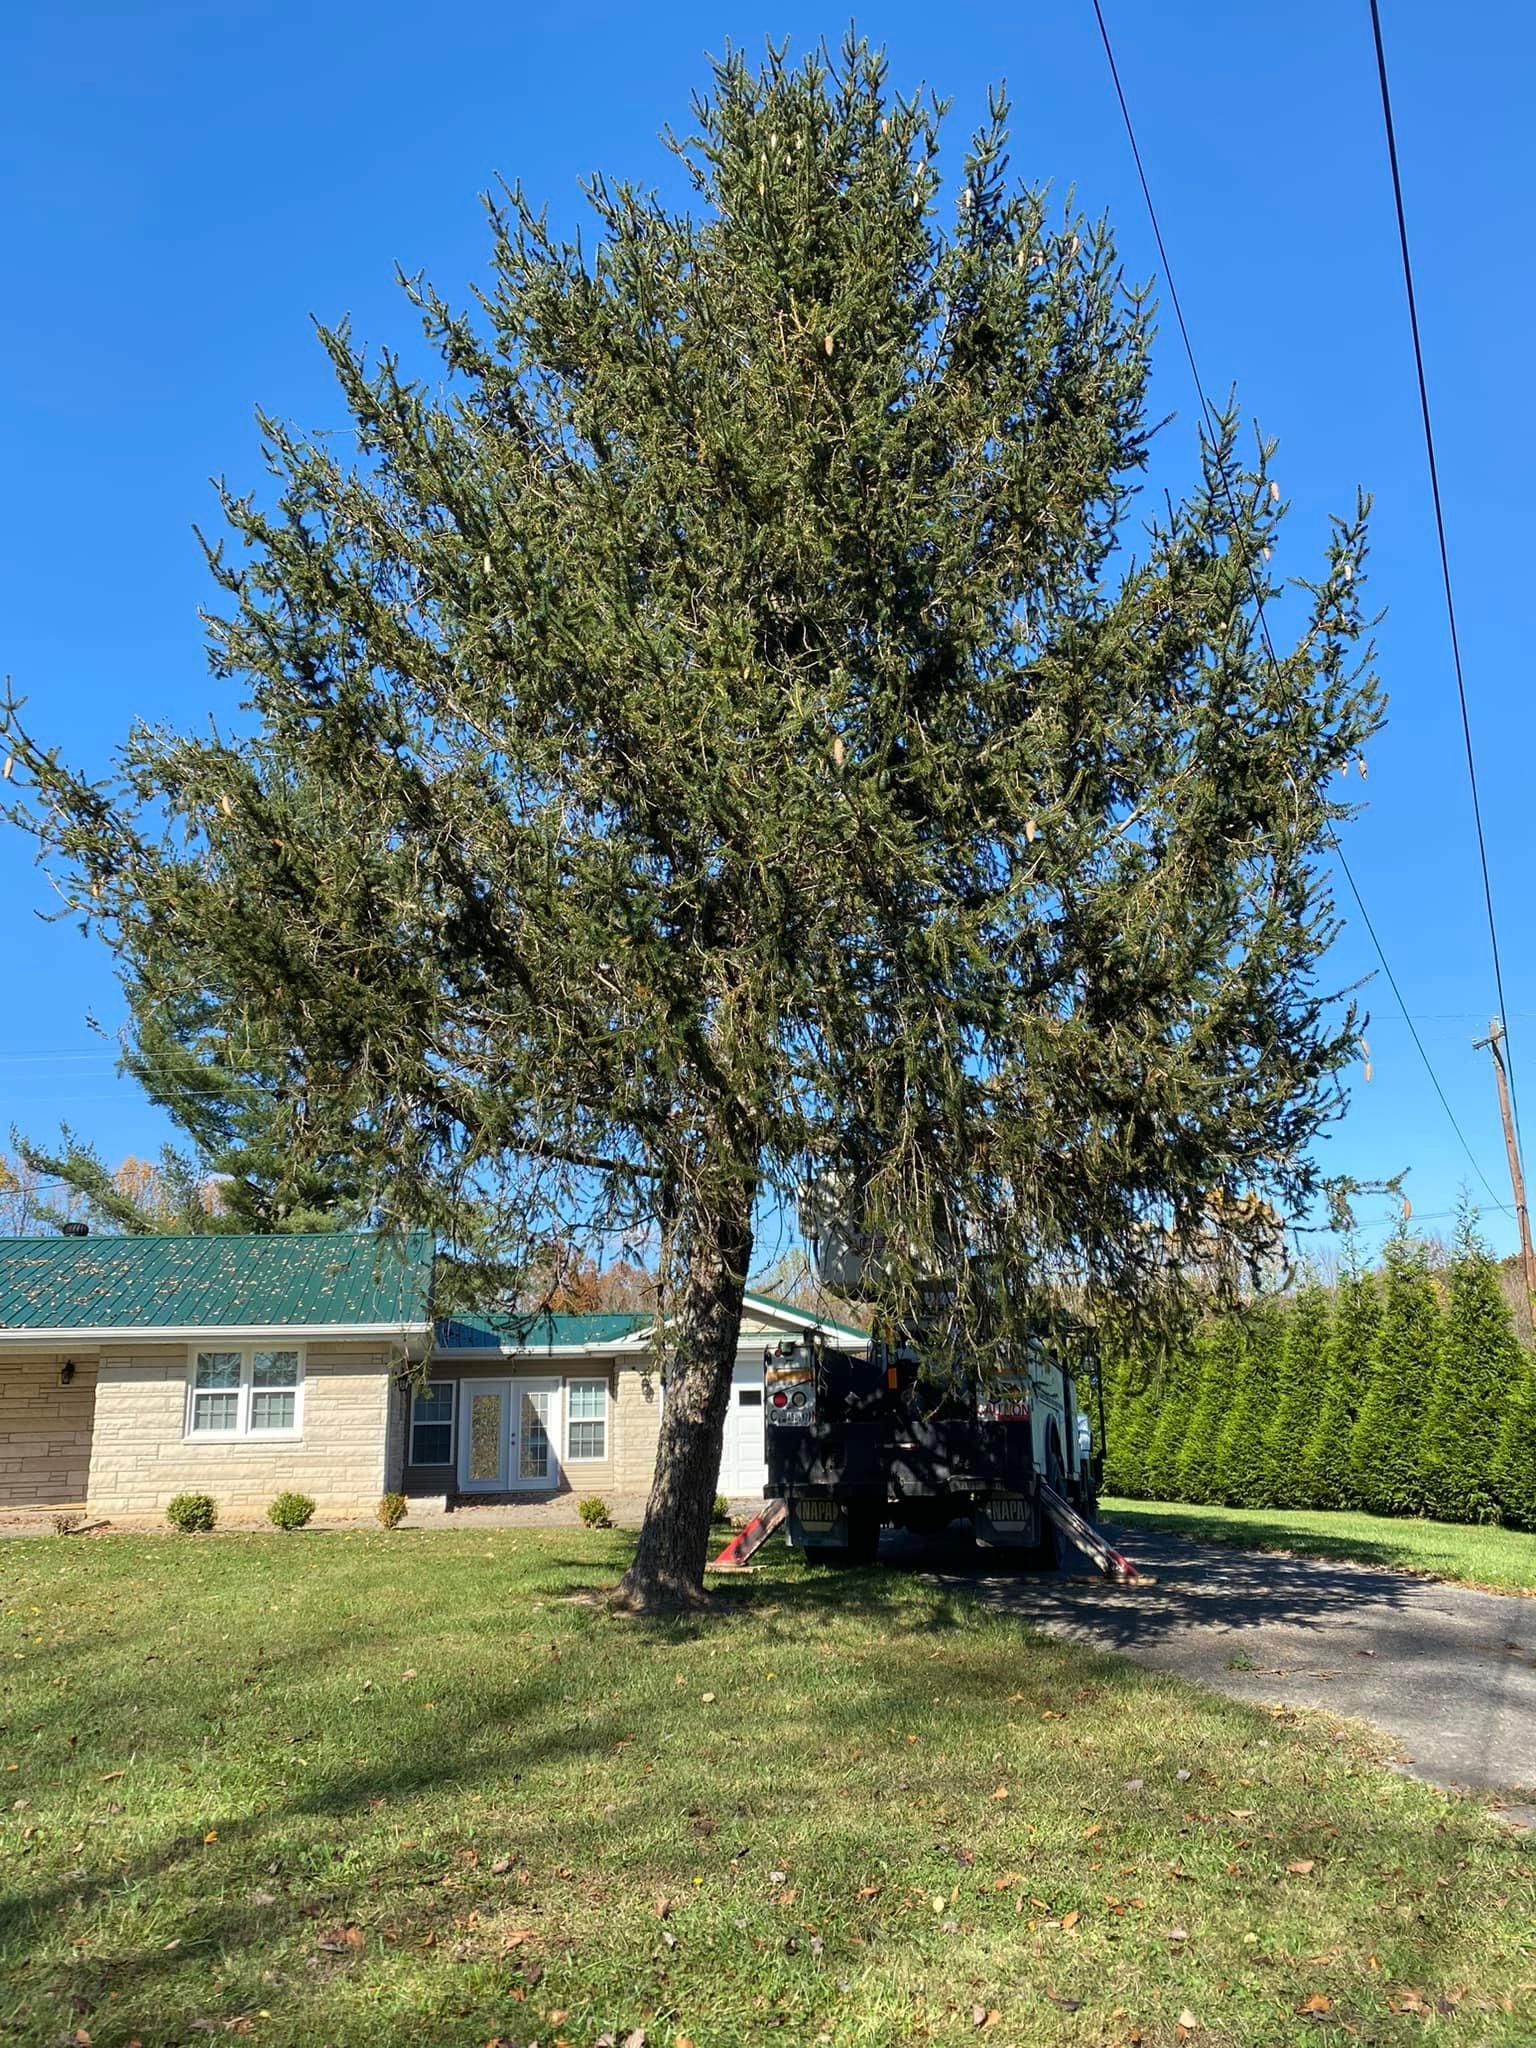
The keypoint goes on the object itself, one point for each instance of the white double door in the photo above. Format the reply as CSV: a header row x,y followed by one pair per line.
x,y
509,1435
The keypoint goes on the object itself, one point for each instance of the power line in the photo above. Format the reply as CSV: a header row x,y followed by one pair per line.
x,y
1263,621
1445,558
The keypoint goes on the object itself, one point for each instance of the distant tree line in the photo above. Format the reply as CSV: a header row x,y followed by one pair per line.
x,y
1404,1391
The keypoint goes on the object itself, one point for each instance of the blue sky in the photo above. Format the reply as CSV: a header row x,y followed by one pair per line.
x,y
186,188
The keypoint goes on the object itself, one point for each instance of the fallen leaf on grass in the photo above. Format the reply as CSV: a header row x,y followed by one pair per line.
x,y
517,1937
1302,1867
1316,2003
985,2016
1071,1919
341,1939
1001,1792
1096,1829
1066,2004
1187,2024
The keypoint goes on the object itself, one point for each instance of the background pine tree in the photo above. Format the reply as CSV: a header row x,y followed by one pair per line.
x,y
1387,1443
1304,1374
1242,1465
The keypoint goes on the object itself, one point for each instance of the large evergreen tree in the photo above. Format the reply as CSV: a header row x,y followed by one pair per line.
x,y
1480,1375
732,731
1387,1442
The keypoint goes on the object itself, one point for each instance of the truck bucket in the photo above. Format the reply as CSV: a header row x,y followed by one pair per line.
x,y
752,1538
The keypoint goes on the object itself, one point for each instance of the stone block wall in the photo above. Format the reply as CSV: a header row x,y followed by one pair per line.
x,y
141,1455
45,1430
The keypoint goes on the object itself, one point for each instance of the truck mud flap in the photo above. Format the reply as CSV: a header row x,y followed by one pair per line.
x,y
817,1525
1006,1521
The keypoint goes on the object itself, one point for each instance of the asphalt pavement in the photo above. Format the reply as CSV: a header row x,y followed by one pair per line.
x,y
1447,1673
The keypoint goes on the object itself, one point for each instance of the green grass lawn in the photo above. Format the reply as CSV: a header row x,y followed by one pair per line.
x,y
423,1788
1504,1559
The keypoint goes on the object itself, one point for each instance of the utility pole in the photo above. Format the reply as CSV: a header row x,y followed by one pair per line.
x,y
1494,1042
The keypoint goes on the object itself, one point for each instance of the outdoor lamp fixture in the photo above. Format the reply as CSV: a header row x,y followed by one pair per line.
x,y
66,1372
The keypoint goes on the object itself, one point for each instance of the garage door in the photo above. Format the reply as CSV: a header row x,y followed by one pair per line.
x,y
743,1472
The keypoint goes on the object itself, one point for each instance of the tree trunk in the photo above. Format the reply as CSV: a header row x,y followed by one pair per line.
x,y
668,1567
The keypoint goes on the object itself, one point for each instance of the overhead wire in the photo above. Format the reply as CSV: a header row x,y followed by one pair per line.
x,y
1445,558
1209,415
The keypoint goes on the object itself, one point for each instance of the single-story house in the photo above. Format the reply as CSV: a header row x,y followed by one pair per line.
x,y
136,1368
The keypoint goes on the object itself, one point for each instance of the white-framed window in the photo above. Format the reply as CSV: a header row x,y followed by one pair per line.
x,y
432,1412
252,1391
586,1419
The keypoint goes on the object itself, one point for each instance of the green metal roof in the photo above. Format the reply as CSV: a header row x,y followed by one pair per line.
x,y
537,1330
127,1283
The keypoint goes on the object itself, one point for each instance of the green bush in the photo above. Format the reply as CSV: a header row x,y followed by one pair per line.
x,y
594,1512
192,1513
721,1511
290,1511
391,1510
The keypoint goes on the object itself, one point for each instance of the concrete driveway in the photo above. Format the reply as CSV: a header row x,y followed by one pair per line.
x,y
1448,1674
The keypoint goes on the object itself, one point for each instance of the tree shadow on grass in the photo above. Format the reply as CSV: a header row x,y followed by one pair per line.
x,y
517,1736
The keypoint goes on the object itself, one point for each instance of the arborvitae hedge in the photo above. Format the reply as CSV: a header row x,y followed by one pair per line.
x,y
1405,1392
1387,1447
1327,1477
1480,1377
1304,1369
1218,1352
1242,1469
